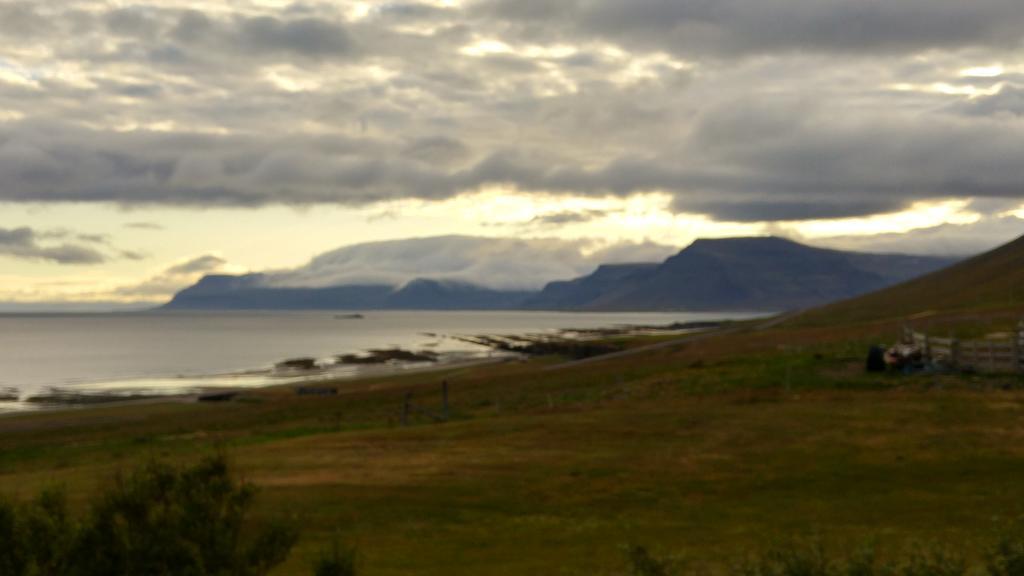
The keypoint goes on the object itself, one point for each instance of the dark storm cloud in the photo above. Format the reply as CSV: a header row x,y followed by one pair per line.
x,y
24,243
731,162
730,27
739,109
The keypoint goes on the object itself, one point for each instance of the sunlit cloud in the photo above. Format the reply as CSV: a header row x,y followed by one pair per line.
x,y
920,215
983,71
948,89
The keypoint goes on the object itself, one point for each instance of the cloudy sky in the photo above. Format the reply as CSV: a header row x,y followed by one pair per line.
x,y
143,144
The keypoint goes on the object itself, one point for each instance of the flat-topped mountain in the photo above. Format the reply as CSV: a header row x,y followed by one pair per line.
x,y
761,273
764,273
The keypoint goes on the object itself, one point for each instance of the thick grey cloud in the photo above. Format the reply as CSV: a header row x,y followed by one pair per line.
x,y
728,27
24,243
742,110
306,36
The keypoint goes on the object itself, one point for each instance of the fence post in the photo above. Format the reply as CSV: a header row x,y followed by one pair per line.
x,y
405,408
1017,346
444,399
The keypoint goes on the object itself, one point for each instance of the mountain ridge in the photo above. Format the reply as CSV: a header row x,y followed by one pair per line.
x,y
747,273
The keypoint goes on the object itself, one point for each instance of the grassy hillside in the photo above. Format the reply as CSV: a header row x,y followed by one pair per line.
x,y
712,447
993,280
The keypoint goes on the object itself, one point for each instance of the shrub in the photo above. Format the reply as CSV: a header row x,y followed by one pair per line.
x,y
49,532
864,562
337,562
932,561
159,520
800,558
13,556
1005,557
642,563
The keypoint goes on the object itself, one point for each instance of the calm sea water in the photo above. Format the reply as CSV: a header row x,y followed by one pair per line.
x,y
175,352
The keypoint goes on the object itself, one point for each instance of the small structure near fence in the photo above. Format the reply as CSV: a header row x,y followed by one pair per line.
x,y
982,355
409,407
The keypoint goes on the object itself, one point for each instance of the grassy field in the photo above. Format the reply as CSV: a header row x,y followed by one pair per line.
x,y
707,449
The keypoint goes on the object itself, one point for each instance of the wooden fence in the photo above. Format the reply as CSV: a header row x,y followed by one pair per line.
x,y
978,355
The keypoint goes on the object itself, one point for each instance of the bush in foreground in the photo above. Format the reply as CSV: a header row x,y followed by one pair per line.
x,y
159,520
337,562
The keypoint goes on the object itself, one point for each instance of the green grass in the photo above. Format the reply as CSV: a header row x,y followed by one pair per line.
x,y
711,448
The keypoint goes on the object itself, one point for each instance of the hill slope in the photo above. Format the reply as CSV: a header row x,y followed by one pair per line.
x,y
607,279
994,279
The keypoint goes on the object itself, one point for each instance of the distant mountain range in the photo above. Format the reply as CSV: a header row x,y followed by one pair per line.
x,y
219,292
726,274
737,274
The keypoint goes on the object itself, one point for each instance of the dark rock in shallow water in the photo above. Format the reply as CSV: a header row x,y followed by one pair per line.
x,y
297,364
393,355
316,391
218,397
545,345
55,397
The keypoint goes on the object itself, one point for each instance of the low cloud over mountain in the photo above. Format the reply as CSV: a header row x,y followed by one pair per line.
x,y
501,263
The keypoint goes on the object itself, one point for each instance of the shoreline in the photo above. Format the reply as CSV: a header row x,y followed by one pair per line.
x,y
110,401
577,343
